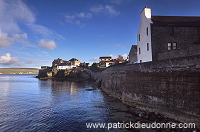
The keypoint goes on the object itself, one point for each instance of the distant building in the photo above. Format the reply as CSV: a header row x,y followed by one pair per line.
x,y
105,63
108,61
133,54
105,58
58,61
167,37
45,67
64,66
75,62
85,64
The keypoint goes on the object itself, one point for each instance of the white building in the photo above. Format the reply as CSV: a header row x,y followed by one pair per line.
x,y
64,66
167,37
144,50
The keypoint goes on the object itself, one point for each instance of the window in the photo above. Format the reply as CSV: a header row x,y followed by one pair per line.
x,y
139,51
147,46
172,46
147,31
169,46
139,37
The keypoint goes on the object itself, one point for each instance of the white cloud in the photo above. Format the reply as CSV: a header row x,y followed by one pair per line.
x,y
113,57
72,19
5,40
44,31
106,9
47,44
14,13
76,18
97,8
125,56
96,59
111,10
7,59
20,36
85,15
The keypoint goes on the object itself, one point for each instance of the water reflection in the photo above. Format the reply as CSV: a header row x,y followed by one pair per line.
x,y
49,105
59,87
4,86
73,104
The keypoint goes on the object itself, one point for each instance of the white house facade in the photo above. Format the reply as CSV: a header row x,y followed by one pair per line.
x,y
144,50
63,67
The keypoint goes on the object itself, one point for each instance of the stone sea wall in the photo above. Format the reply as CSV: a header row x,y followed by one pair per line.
x,y
170,87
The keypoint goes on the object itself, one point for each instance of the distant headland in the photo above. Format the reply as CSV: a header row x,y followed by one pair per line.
x,y
19,71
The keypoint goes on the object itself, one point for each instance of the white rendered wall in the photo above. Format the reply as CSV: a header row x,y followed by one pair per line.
x,y
65,67
145,21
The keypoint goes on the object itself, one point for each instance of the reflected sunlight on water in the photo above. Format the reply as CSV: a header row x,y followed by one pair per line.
x,y
29,104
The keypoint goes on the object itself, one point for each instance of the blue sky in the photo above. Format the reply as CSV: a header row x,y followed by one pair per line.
x,y
35,32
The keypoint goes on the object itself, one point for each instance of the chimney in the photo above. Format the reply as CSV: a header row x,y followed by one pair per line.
x,y
146,12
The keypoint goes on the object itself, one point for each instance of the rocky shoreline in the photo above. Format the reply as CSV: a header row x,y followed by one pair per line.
x,y
161,92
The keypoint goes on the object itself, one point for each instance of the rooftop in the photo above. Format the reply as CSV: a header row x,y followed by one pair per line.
x,y
64,64
176,20
105,57
73,59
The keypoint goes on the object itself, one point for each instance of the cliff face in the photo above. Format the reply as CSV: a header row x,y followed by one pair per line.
x,y
75,74
172,90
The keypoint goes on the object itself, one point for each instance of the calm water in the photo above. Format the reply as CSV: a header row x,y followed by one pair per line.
x,y
29,104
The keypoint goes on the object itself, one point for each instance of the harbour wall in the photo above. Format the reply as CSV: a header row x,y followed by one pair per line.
x,y
170,87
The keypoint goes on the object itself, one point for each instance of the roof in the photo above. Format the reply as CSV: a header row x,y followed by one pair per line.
x,y
107,61
134,47
176,20
73,59
113,60
105,57
64,64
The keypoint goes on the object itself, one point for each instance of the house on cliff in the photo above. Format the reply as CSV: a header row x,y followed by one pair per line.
x,y
64,66
108,61
75,62
58,61
167,37
105,61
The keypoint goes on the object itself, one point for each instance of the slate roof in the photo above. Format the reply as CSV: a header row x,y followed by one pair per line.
x,y
73,59
175,21
64,64
105,57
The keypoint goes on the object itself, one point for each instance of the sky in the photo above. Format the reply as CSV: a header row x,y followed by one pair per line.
x,y
35,32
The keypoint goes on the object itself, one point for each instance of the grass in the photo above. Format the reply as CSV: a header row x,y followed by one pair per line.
x,y
19,71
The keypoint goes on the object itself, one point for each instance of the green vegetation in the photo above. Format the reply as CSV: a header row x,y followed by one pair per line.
x,y
19,71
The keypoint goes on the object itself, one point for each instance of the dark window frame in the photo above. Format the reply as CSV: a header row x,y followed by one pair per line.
x,y
139,51
139,37
147,46
147,31
172,46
